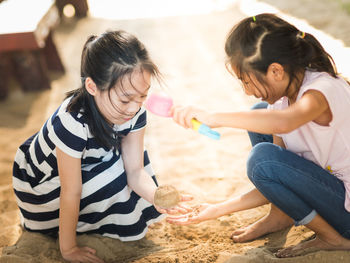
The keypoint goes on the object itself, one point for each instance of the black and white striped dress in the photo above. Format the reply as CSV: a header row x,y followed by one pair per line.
x,y
107,207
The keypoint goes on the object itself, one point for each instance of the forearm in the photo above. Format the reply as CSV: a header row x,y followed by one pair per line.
x,y
69,213
142,184
249,200
260,121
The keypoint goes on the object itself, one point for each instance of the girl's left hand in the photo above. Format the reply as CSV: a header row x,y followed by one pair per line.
x,y
178,209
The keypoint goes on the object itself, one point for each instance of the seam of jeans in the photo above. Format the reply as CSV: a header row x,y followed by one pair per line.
x,y
265,163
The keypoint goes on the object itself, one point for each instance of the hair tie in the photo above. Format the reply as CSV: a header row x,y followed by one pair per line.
x,y
254,19
302,34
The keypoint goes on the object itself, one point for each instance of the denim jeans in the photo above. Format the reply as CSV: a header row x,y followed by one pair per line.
x,y
297,186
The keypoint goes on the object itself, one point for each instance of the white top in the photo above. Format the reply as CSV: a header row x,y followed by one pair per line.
x,y
327,146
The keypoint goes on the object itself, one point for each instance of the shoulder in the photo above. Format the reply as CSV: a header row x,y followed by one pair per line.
x,y
68,130
323,82
334,91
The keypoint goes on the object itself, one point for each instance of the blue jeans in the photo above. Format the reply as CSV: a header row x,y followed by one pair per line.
x,y
297,186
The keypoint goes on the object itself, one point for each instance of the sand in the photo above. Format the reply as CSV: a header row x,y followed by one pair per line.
x,y
189,51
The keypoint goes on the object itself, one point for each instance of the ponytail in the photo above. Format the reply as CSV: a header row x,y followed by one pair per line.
x,y
316,57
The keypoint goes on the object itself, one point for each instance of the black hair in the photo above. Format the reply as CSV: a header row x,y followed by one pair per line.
x,y
257,42
106,60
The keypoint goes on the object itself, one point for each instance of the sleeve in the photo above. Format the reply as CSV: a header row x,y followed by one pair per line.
x,y
333,95
68,134
140,120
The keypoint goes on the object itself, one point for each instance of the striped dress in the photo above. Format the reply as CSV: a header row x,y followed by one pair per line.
x,y
107,206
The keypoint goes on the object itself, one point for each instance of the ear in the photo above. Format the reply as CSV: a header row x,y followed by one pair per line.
x,y
275,71
90,86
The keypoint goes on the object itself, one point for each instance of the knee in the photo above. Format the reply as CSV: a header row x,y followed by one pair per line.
x,y
260,154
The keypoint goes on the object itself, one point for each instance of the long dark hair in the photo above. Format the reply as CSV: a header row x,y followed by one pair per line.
x,y
106,60
256,42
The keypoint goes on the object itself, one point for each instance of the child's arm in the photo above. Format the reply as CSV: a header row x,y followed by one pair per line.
x,y
69,170
311,106
138,179
204,212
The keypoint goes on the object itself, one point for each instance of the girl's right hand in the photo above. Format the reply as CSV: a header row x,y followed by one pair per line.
x,y
81,255
199,214
184,115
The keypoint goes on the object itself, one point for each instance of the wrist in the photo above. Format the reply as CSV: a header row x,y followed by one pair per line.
x,y
212,120
67,245
220,209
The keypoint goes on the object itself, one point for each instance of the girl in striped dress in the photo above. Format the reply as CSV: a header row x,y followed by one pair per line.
x,y
86,170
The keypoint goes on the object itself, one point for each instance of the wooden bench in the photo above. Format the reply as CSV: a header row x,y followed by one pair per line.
x,y
27,49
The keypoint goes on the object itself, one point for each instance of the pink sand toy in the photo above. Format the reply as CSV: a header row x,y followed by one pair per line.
x,y
161,105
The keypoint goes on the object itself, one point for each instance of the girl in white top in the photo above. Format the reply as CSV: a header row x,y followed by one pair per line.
x,y
300,162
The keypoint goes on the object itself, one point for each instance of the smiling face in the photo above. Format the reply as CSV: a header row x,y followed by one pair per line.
x,y
119,104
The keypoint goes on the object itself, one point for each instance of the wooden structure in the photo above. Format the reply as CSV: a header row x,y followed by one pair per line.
x,y
27,49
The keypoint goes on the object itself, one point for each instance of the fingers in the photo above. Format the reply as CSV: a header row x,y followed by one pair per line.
x,y
161,210
89,249
182,115
186,197
84,254
92,258
185,208
182,209
182,220
172,211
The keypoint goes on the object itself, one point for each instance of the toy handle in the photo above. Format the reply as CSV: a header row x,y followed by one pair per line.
x,y
205,130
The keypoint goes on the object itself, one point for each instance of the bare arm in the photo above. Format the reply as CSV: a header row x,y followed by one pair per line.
x,y
307,109
138,179
310,107
69,170
249,200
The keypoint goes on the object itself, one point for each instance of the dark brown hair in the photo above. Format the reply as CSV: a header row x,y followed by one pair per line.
x,y
106,60
257,42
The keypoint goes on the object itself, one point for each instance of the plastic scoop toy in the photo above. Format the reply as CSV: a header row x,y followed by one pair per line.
x,y
161,105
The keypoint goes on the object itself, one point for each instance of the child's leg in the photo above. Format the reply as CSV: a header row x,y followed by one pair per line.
x,y
276,219
300,188
327,239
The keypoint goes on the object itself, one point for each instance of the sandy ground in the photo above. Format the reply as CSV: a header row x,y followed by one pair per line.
x,y
189,51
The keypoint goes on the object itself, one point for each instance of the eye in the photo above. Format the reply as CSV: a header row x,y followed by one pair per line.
x,y
124,102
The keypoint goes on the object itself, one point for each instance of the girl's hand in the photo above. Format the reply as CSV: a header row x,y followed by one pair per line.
x,y
184,115
180,208
198,214
81,254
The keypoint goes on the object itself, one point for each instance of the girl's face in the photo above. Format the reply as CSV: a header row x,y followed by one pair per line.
x,y
123,101
274,86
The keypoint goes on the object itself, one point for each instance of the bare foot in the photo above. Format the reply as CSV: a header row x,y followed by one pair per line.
x,y
272,222
313,245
